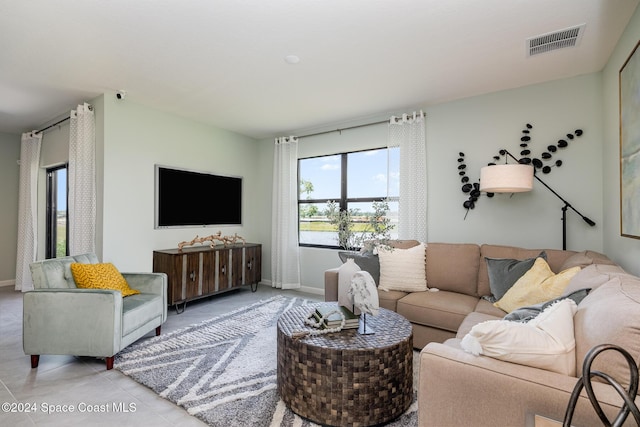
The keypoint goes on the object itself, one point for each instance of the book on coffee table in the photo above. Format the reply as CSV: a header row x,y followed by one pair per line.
x,y
351,320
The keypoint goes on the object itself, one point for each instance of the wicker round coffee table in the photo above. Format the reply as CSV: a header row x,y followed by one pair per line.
x,y
345,378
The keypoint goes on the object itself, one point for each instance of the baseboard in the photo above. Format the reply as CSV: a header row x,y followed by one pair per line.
x,y
7,283
305,289
311,290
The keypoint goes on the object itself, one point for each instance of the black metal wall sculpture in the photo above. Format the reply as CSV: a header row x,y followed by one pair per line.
x,y
542,163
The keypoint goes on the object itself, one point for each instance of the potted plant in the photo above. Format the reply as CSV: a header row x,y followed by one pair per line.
x,y
352,234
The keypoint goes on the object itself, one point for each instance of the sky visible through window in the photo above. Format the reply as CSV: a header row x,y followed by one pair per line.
x,y
371,174
367,175
62,189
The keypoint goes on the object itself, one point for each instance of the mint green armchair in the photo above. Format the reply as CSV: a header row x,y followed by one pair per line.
x,y
59,318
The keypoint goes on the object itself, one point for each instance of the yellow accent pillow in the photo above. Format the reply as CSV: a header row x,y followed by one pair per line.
x,y
100,276
537,285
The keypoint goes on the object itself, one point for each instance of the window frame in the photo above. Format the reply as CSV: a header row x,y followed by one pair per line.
x,y
51,229
343,201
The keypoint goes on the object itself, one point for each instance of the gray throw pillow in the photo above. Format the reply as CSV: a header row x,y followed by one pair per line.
x,y
525,314
366,261
505,272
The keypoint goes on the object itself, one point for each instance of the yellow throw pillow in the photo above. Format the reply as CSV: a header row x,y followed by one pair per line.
x,y
537,285
100,276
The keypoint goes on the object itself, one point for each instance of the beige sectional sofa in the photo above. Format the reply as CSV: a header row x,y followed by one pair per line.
x,y
458,388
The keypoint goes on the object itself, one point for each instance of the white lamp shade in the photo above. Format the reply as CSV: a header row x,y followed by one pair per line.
x,y
514,178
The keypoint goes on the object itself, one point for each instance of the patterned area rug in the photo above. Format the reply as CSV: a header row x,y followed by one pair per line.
x,y
223,370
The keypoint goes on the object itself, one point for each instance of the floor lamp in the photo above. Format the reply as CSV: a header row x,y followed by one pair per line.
x,y
518,178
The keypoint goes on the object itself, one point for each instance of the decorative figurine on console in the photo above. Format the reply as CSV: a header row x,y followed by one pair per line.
x,y
225,240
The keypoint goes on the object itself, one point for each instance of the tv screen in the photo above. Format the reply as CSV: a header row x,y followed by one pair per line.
x,y
187,198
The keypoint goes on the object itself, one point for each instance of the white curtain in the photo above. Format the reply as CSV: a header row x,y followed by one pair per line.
x,y
27,209
285,258
408,133
82,181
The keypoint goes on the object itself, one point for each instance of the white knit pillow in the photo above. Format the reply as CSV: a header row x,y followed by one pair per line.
x,y
403,269
546,342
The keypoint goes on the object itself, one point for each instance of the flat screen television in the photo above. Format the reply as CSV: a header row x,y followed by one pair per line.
x,y
188,198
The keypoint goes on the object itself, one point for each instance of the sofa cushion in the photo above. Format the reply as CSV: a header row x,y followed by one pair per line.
x,y
472,320
594,276
402,269
389,299
555,259
546,342
586,258
505,272
487,307
537,285
140,309
100,276
453,267
443,309
610,314
55,273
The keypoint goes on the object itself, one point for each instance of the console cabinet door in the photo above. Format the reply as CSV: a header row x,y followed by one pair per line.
x,y
192,286
224,273
208,275
252,264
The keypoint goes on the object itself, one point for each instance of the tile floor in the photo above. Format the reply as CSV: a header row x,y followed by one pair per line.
x,y
83,383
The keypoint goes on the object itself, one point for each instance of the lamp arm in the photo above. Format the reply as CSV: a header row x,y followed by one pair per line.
x,y
567,204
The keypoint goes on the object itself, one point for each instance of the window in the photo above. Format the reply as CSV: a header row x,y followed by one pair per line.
x,y
353,180
57,220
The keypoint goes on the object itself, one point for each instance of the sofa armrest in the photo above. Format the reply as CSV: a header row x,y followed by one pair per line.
x,y
331,284
150,283
81,322
457,388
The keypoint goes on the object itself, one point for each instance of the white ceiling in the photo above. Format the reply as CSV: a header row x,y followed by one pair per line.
x,y
222,61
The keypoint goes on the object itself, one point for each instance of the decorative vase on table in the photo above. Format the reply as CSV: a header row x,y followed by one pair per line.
x,y
345,274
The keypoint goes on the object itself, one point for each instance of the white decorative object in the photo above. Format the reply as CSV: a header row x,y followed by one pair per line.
x,y
345,274
364,294
546,342
309,321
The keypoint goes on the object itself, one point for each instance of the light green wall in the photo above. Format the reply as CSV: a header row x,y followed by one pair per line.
x,y
135,138
9,185
623,249
482,125
479,127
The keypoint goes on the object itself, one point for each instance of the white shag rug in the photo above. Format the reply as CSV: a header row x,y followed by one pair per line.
x,y
223,370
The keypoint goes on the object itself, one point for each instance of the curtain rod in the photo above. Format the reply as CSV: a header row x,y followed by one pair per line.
x,y
397,118
53,125
59,122
340,130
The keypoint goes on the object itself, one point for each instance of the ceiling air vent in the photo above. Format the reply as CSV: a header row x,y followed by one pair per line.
x,y
569,37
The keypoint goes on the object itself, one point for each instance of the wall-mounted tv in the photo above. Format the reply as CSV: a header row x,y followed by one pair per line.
x,y
188,198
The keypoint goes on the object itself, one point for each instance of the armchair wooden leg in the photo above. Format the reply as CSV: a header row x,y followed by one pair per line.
x,y
35,359
109,361
158,330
